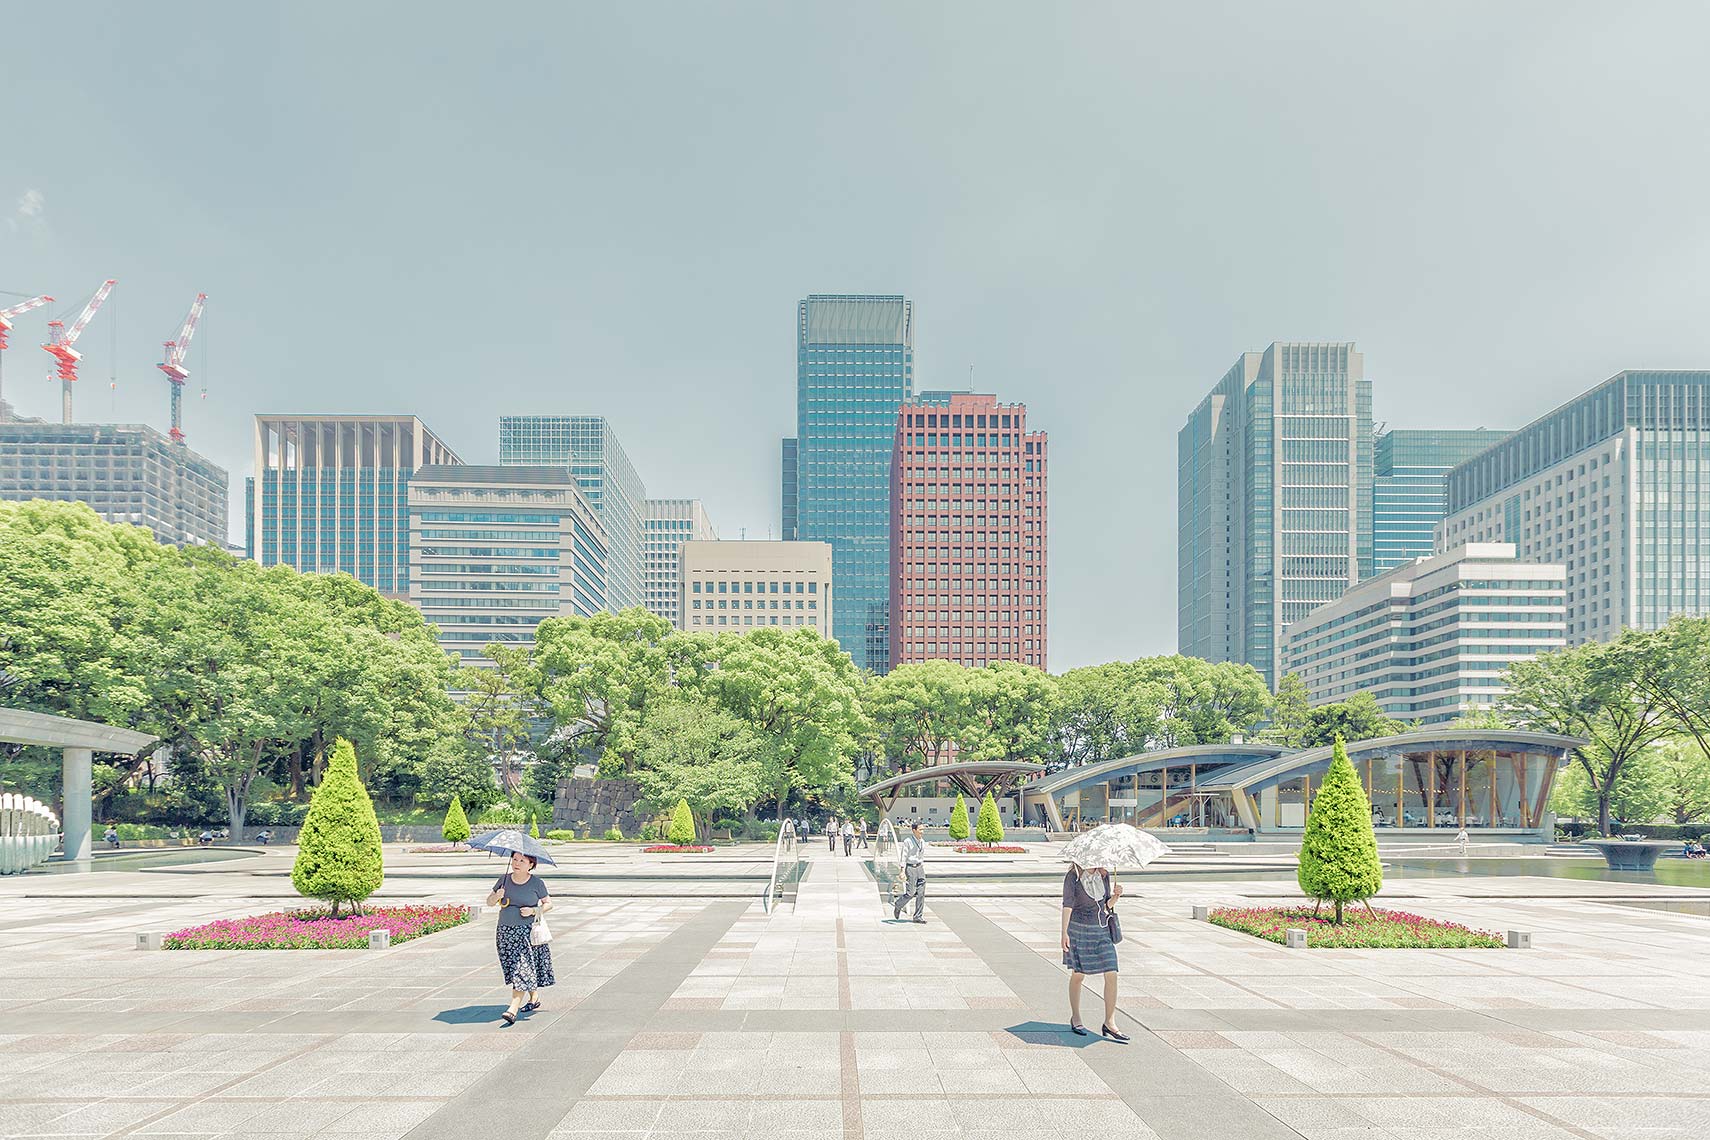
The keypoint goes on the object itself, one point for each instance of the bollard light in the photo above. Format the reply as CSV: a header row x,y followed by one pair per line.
x,y
149,939
379,939
1201,913
1519,939
1296,939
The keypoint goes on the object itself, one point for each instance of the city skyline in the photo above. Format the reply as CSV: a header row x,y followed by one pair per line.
x,y
1099,276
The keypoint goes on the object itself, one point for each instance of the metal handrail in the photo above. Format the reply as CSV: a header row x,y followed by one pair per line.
x,y
787,848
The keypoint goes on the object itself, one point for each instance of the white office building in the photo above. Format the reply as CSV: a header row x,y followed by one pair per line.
x,y
738,586
668,525
1431,638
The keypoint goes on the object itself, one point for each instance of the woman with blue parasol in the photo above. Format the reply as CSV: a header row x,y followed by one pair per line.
x,y
522,938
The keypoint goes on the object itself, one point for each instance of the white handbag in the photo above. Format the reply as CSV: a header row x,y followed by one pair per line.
x,y
539,934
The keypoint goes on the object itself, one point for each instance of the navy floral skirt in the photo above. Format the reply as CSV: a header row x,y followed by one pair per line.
x,y
525,967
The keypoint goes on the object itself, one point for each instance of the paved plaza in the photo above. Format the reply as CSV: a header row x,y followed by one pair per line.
x,y
683,1008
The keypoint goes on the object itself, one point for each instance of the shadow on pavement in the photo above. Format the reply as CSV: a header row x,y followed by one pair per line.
x,y
470,1014
1048,1033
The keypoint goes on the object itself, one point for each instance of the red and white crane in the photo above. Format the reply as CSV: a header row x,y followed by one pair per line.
x,y
6,316
63,339
173,365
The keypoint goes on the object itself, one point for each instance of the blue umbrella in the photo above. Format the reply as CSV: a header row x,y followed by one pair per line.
x,y
509,841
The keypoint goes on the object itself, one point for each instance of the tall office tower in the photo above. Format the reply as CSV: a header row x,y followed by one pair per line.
x,y
588,447
725,587
331,494
669,524
788,496
1407,497
1274,480
128,473
854,369
1430,639
968,533
1615,486
495,550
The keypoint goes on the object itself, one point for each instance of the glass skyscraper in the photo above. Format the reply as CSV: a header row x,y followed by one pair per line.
x,y
331,494
1615,486
596,460
1274,480
1407,499
854,370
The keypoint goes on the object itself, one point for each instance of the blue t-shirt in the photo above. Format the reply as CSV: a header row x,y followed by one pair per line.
x,y
518,895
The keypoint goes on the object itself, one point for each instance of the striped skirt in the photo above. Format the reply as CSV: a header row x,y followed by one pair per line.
x,y
1090,949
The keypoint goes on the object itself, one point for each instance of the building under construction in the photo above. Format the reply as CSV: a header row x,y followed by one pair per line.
x,y
129,473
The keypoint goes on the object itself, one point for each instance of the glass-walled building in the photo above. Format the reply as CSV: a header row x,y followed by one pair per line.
x,y
1274,481
1614,486
589,448
1407,496
496,550
1417,783
854,370
331,494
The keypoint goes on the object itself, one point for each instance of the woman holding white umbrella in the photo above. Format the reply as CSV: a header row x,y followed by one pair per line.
x,y
522,938
1090,927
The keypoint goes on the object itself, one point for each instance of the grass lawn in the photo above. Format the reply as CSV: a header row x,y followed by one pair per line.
x,y
1380,929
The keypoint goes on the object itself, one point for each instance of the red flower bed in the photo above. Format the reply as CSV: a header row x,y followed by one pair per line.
x,y
1378,930
982,849
673,849
438,849
316,930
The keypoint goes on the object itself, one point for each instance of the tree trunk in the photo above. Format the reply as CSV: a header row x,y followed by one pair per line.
x,y
1603,794
1338,912
296,772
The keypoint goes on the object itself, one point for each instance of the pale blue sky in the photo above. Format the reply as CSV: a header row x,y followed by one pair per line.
x,y
471,210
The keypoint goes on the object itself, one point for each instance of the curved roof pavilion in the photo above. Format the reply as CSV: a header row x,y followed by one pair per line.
x,y
1486,779
974,778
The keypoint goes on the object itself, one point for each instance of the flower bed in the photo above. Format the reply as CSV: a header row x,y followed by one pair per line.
x,y
438,849
673,849
1379,930
982,849
317,930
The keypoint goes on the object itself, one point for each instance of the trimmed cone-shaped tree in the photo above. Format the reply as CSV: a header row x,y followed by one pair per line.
x,y
988,829
682,831
338,850
534,826
959,820
1338,854
456,825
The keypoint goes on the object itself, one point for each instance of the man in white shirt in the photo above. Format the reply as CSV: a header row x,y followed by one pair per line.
x,y
914,874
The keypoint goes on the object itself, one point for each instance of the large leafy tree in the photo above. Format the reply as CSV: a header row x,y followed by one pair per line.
x,y
801,694
1591,691
1671,666
597,674
699,755
1682,777
920,712
1105,711
1291,713
1204,702
493,712
1359,717
1011,707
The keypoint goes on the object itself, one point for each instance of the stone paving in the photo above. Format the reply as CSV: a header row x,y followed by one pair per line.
x,y
680,1012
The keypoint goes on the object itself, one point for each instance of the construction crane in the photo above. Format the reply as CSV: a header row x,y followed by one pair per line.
x,y
173,365
6,316
63,340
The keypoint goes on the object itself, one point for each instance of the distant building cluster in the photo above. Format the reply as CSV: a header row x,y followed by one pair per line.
x,y
1417,564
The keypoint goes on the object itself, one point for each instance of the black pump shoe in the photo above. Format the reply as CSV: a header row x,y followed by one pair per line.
x,y
1110,1034
1079,1030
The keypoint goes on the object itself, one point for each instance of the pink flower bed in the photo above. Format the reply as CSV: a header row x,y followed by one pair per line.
x,y
1380,929
317,930
982,849
438,849
673,849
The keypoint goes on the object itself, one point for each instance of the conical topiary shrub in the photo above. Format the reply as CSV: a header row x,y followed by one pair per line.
x,y
534,826
338,850
988,829
682,831
959,819
456,825
1338,854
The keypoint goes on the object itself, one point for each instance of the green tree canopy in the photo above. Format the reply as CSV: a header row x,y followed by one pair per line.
x,y
1202,702
1338,851
1011,709
1105,711
1291,713
338,851
689,752
597,674
920,712
1357,718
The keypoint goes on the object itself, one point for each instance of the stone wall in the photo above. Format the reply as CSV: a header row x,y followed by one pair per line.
x,y
586,802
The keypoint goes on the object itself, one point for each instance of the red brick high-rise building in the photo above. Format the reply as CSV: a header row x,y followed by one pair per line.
x,y
968,533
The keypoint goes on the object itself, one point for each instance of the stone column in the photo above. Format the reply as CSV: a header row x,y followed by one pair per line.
x,y
78,783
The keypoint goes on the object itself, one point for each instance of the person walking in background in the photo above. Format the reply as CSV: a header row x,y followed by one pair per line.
x,y
111,836
527,966
913,852
1088,894
848,837
861,835
831,834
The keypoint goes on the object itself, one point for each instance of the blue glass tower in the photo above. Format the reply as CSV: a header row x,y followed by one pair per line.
x,y
1407,500
854,369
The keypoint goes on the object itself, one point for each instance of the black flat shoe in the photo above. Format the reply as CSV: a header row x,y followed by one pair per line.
x,y
531,1007
508,1018
1110,1034
1079,1030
